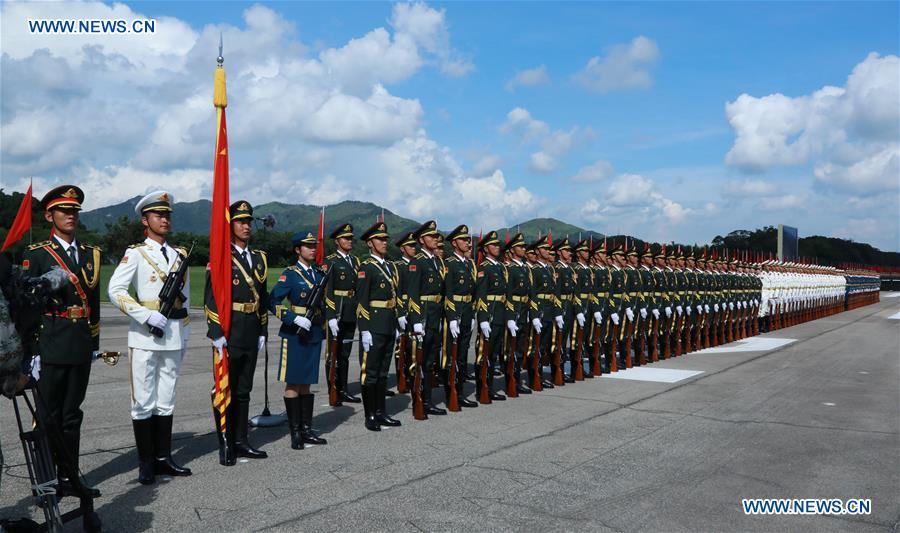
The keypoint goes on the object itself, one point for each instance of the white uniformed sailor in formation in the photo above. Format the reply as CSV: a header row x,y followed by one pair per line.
x,y
154,360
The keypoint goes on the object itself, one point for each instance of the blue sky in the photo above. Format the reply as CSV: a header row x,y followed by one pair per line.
x,y
644,144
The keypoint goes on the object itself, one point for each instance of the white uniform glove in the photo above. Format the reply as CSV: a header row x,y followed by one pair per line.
x,y
559,321
418,328
668,311
598,317
656,313
680,310
485,328
366,338
580,318
261,343
536,322
643,312
715,308
731,306
157,320
512,327
401,321
629,313
615,318
699,309
220,343
36,367
333,326
706,306
454,328
302,322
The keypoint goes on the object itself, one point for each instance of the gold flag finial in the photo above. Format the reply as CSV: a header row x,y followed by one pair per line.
x,y
219,98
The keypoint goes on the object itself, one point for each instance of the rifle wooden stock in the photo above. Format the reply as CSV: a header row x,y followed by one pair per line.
x,y
642,338
333,398
596,368
679,322
614,349
537,369
557,360
629,333
402,385
453,394
654,339
418,402
578,363
511,385
705,331
484,393
668,326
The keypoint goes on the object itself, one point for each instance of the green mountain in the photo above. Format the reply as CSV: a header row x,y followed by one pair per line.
x,y
533,228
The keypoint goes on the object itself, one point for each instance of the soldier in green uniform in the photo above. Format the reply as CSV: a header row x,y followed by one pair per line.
x,y
545,310
583,301
69,336
618,299
376,287
648,303
518,304
490,308
662,312
565,289
601,303
425,291
634,301
459,310
249,331
407,245
340,306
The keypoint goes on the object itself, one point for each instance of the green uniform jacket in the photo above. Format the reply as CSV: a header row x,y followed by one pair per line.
x,y
632,292
661,290
518,303
70,328
459,289
250,293
340,294
543,298
583,302
565,288
425,288
491,291
376,293
402,268
648,288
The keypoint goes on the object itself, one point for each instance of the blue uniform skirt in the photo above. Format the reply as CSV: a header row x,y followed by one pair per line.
x,y
299,361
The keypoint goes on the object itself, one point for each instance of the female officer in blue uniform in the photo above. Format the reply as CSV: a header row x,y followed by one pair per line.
x,y
298,365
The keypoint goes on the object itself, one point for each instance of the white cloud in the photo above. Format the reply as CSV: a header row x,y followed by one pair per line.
x,y
848,134
637,198
487,164
528,78
625,66
749,187
520,122
553,144
597,171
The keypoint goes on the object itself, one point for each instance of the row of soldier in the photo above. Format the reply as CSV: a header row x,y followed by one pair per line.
x,y
541,315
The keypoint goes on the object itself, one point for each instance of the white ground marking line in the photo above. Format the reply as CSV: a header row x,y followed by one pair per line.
x,y
891,295
659,375
895,316
862,372
752,344
829,404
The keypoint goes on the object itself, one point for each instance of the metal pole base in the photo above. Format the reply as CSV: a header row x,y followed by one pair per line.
x,y
267,420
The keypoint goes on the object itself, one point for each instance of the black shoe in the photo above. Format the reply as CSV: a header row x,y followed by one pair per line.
x,y
242,446
465,402
523,390
344,396
369,408
306,409
162,440
497,397
380,411
547,384
568,379
432,410
292,407
497,372
143,437
65,487
389,392
226,440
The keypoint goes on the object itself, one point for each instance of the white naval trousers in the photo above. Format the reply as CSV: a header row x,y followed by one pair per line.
x,y
153,377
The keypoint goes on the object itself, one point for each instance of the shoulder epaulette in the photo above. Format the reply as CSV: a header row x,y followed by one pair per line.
x,y
37,245
93,247
260,252
138,245
420,255
181,249
331,256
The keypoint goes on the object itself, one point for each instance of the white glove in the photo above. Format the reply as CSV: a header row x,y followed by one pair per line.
x,y
559,321
598,317
485,328
715,308
401,321
366,339
536,322
731,306
36,367
512,327
680,309
333,326
615,318
454,328
418,328
261,343
302,322
643,312
220,343
668,312
699,309
580,318
157,320
706,306
744,304
689,310
656,314
629,313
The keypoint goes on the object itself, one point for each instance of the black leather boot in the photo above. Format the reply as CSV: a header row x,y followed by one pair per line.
x,y
380,411
306,409
495,396
162,441
371,422
226,443
143,438
292,408
460,388
343,395
242,445
430,409
67,482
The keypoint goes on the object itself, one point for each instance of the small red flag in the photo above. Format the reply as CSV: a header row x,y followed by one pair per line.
x,y
21,224
320,239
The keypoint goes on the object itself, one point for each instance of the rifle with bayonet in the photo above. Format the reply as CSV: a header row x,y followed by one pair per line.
x,y
170,294
511,385
418,401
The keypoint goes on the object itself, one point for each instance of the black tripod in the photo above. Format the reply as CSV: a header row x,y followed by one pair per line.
x,y
38,443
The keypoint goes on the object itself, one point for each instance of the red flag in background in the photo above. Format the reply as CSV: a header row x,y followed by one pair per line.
x,y
21,224
320,239
480,256
550,237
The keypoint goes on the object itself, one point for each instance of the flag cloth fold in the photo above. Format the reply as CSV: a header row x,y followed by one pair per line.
x,y
21,224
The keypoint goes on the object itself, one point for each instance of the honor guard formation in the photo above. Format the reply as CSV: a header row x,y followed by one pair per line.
x,y
538,315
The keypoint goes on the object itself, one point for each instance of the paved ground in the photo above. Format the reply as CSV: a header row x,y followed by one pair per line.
x,y
816,417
